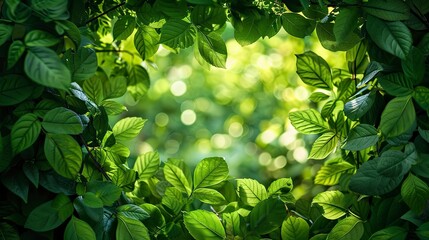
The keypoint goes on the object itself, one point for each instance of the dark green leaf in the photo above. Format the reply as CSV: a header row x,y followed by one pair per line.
x,y
421,95
123,27
52,10
295,228
177,34
25,132
396,84
132,211
390,10
7,232
209,17
82,63
138,82
31,172
44,66
212,48
423,231
132,229
267,216
325,33
91,200
297,25
357,107
50,214
62,121
204,225
5,32
94,89
106,191
314,70
77,229
16,49
173,9
346,22
398,116
64,154
393,37
415,193
323,146
246,29
147,164
209,172
39,38
17,183
114,87
14,89
309,121
127,128
414,66
360,137
251,191
146,41
334,204
390,233
350,228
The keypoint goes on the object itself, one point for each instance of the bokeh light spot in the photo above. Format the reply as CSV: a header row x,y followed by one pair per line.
x,y
161,119
178,88
188,117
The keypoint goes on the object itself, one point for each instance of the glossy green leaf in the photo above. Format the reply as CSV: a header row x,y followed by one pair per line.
x,y
329,175
138,82
314,70
52,10
44,66
390,233
267,216
129,228
146,41
113,107
334,204
177,34
414,66
212,48
357,107
251,191
16,49
398,116
415,193
346,22
209,196
123,27
326,35
5,32
39,38
77,229
280,186
49,215
396,84
132,211
393,37
62,121
7,232
82,63
64,154
323,146
318,97
297,25
308,121
295,228
421,95
25,132
147,164
107,192
14,89
127,128
350,228
177,177
390,10
202,224
173,199
360,137
210,171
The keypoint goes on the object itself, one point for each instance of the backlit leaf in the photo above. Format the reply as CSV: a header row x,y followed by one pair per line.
x,y
329,175
323,146
77,229
212,48
350,228
251,191
308,121
280,186
209,196
297,25
129,228
177,34
295,228
138,82
209,172
314,70
334,204
177,176
127,128
123,27
146,41
147,164
202,224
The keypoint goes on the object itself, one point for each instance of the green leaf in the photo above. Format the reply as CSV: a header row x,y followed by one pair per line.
x,y
210,171
16,49
350,228
77,229
325,33
127,128
357,107
25,132
393,37
346,88
390,233
346,22
147,164
61,120
113,107
209,17
138,82
177,34
202,224
51,10
82,63
50,214
329,175
396,84
415,193
16,182
132,211
106,191
398,116
424,44
308,121
334,204
423,231
280,186
14,89
39,38
173,199
129,228
5,32
295,228
360,137
324,145
267,216
297,25
318,97
177,176
93,89
314,70
414,66
173,9
146,41
421,95
232,221
251,191
114,87
7,232
123,27
64,154
44,66
212,48
390,10
209,196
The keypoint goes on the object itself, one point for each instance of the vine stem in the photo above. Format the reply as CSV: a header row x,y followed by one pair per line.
x,y
106,12
96,163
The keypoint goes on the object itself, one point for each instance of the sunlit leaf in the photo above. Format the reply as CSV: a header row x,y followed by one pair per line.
x,y
177,34
209,196
146,41
138,82
329,175
128,128
334,204
129,228
314,70
177,176
147,164
350,228
280,186
308,121
209,172
295,228
251,191
77,229
212,48
297,25
123,27
324,145
202,224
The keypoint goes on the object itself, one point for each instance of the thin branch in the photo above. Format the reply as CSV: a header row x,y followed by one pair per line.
x,y
106,12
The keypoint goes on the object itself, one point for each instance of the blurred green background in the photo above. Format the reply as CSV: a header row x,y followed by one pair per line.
x,y
239,113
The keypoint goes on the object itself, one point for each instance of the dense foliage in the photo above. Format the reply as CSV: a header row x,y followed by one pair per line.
x,y
66,171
